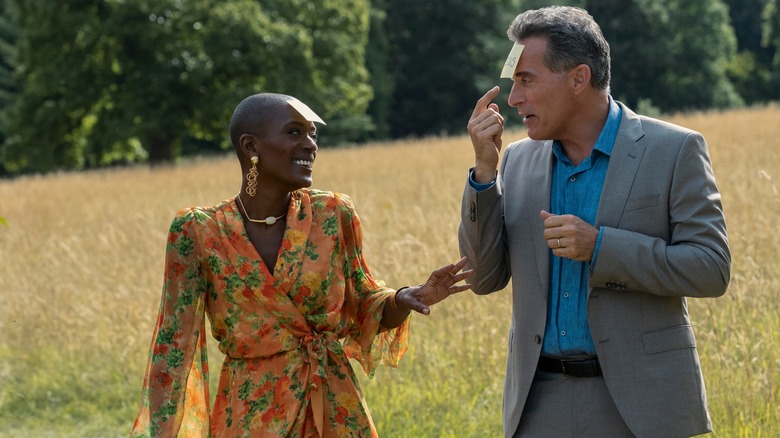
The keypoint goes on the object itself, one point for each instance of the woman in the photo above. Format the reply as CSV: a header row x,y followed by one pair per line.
x,y
280,272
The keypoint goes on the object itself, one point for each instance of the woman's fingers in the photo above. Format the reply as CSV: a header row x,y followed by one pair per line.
x,y
462,276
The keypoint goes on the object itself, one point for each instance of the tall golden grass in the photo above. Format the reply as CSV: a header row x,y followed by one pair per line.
x,y
81,268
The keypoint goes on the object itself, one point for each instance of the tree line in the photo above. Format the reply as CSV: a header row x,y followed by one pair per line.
x,y
92,83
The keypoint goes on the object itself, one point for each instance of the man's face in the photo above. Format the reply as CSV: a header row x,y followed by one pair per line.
x,y
541,96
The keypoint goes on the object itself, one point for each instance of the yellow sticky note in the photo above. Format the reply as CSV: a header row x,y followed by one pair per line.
x,y
304,110
511,61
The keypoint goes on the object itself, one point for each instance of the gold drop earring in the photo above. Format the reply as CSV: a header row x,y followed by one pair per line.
x,y
251,177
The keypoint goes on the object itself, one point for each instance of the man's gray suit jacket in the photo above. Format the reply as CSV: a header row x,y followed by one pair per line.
x,y
664,238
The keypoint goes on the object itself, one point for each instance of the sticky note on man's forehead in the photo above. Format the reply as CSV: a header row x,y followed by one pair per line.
x,y
511,61
304,110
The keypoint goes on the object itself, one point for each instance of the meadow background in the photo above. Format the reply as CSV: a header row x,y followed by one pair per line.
x,y
81,268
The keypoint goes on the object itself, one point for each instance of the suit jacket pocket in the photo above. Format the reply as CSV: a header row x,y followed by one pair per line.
x,y
643,202
667,339
511,338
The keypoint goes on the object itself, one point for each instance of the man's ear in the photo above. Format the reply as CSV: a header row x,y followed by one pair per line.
x,y
580,78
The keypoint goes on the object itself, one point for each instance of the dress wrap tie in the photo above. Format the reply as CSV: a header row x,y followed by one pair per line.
x,y
315,348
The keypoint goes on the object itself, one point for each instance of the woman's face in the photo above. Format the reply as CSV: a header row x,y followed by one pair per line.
x,y
287,150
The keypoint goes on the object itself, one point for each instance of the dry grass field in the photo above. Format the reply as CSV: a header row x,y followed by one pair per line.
x,y
81,267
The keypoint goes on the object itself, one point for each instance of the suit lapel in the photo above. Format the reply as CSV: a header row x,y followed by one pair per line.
x,y
623,165
539,200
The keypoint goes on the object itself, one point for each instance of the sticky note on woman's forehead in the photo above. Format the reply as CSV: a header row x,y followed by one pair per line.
x,y
511,61
304,110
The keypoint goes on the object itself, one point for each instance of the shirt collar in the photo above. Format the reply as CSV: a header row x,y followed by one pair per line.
x,y
608,134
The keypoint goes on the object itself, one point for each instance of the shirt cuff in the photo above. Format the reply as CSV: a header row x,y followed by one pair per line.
x,y
479,187
598,245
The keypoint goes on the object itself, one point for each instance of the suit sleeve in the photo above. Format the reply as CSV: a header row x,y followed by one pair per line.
x,y
695,260
482,238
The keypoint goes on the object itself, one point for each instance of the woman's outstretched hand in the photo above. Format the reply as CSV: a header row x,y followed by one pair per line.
x,y
442,283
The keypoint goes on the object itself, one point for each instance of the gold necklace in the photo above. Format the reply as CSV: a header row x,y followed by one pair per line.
x,y
270,220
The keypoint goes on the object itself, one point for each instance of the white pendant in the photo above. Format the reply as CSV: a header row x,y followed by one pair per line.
x,y
270,220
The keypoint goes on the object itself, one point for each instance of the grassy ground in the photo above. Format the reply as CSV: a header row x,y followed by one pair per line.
x,y
81,267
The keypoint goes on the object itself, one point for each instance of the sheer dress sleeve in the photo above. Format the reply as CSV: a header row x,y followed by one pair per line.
x,y
174,400
366,341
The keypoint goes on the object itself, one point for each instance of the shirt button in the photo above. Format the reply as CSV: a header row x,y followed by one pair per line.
x,y
572,179
566,295
563,333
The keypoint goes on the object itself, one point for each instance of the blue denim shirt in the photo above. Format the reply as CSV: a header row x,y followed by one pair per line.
x,y
575,190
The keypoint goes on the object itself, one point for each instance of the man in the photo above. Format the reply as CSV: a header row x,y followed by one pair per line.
x,y
605,221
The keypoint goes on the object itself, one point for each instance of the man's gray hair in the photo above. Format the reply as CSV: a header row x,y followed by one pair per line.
x,y
573,38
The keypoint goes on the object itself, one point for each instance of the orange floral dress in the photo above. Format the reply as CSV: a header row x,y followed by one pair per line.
x,y
286,335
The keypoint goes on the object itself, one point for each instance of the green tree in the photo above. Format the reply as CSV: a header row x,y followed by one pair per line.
x,y
111,81
381,72
751,69
435,53
639,48
335,34
8,90
771,39
674,54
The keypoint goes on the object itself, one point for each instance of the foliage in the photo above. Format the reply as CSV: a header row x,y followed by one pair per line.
x,y
8,90
88,84
436,54
336,82
381,76
751,69
695,77
135,78
673,53
8,38
771,38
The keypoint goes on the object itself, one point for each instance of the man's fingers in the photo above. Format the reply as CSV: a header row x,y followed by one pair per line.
x,y
494,108
483,101
489,119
